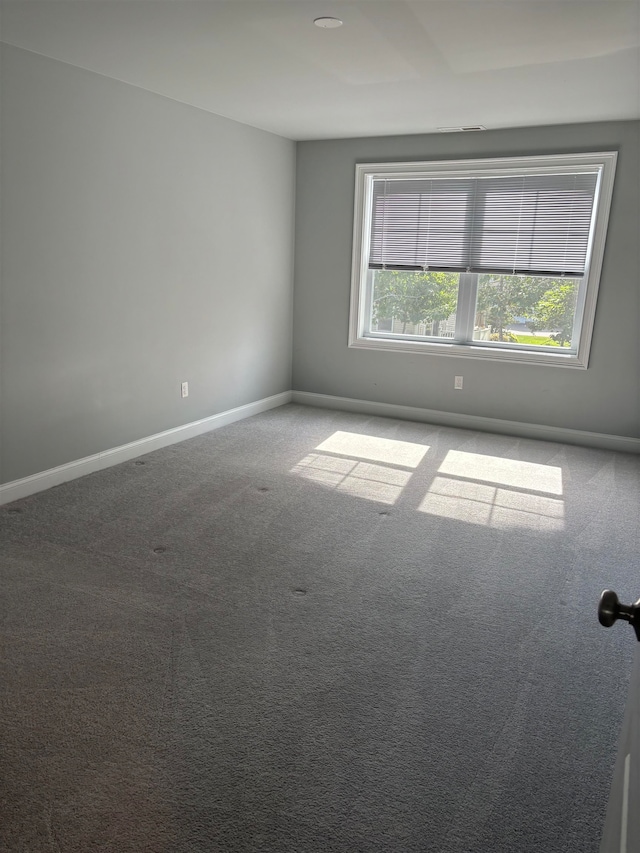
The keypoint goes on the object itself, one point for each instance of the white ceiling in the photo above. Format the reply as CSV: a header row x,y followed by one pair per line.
x,y
395,67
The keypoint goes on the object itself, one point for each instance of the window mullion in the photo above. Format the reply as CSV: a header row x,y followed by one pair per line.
x,y
466,310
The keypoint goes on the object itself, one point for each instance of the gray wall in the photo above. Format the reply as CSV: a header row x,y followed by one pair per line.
x,y
145,243
605,398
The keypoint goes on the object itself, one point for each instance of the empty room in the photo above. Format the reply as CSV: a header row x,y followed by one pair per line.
x,y
319,426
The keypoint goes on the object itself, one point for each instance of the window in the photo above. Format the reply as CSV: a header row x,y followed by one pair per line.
x,y
495,259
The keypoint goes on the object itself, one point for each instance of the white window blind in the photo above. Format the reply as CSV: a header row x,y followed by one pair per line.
x,y
528,224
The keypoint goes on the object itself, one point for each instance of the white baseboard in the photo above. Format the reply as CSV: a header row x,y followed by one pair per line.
x,y
78,468
17,489
475,422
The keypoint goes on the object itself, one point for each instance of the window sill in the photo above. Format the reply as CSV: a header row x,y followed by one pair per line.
x,y
456,350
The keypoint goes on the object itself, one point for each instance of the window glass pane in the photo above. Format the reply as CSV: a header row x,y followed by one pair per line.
x,y
414,304
532,311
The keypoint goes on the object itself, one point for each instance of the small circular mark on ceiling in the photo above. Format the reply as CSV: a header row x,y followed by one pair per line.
x,y
328,23
299,591
139,462
159,550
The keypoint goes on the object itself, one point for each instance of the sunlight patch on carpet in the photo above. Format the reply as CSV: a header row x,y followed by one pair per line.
x,y
496,492
379,483
404,453
504,472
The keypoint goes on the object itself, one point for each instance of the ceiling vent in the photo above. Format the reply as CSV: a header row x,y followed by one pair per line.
x,y
465,129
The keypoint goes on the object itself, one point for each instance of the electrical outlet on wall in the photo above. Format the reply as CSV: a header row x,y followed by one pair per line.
x,y
457,383
184,389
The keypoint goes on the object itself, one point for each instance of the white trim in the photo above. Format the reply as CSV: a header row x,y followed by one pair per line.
x,y
361,226
538,432
601,211
549,163
366,173
17,489
105,459
624,821
466,350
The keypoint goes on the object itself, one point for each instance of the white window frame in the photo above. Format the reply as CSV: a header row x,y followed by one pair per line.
x,y
578,356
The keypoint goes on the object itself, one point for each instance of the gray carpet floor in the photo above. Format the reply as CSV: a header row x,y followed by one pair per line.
x,y
316,631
